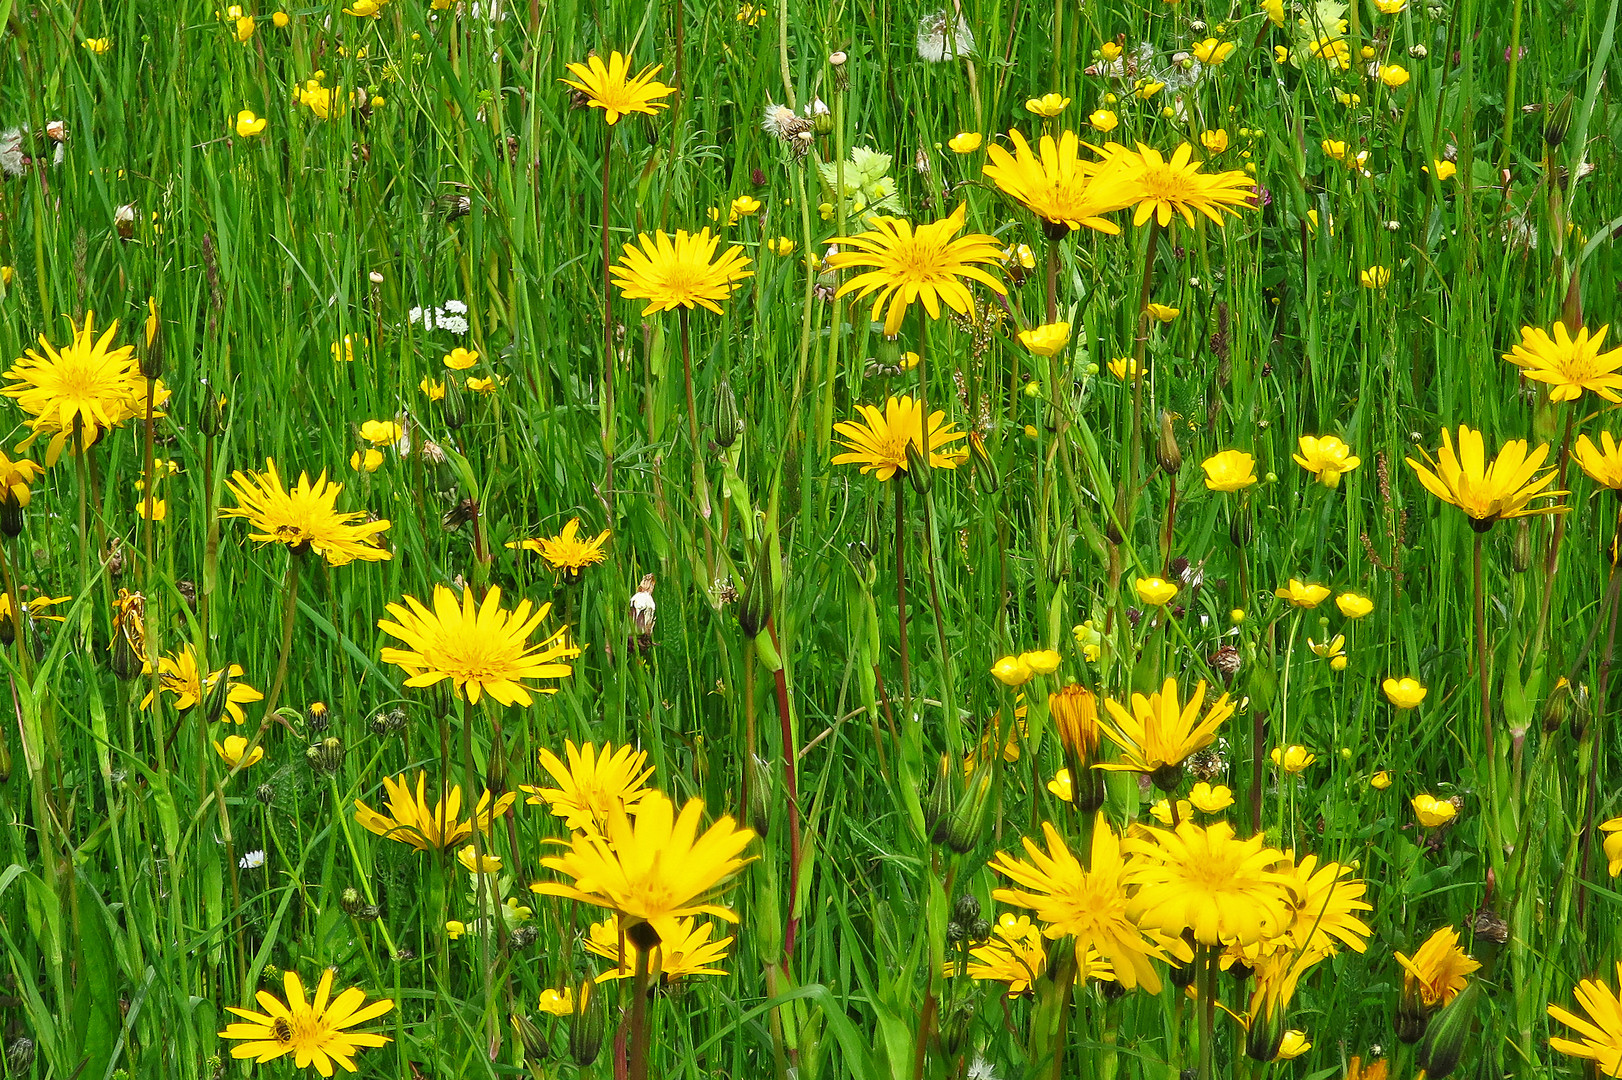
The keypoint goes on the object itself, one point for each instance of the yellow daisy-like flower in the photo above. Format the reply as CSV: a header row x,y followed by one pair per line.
x,y
1159,732
684,949
1089,905
482,648
1613,845
1325,903
232,750
1438,970
1167,188
1569,365
17,478
1600,1032
1059,186
592,784
1603,466
1207,880
612,88
305,518
927,264
1505,488
1375,277
681,271
1326,458
1016,954
180,677
410,821
879,442
653,866
87,388
314,1031
1301,594
566,551
474,863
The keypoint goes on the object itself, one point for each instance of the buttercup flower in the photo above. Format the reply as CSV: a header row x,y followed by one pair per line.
x,y
1013,671
1380,781
460,359
1162,313
1375,277
315,1031
927,264
1209,799
681,271
1104,120
1354,606
1154,591
879,443
1327,458
1048,105
1214,141
965,142
382,432
1293,759
1404,693
612,88
1445,170
1569,365
1505,488
1432,811
232,750
1211,51
1302,595
1393,75
248,125
1048,340
1231,470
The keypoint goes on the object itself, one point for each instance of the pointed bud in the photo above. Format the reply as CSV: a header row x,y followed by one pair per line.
x,y
1167,451
918,470
587,1025
1449,1031
727,424
937,803
1558,120
984,469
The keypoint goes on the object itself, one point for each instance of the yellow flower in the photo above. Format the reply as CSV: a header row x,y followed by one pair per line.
x,y
1048,105
1334,51
410,821
1162,313
1062,787
1042,661
1013,671
1211,51
1016,954
1333,649
432,389
454,929
1354,606
1161,810
1214,141
1445,170
98,45
1122,366
232,750
244,28
1438,970
1160,732
1059,186
280,20
368,462
1148,88
964,142
473,863
343,352
592,784
745,206
680,271
1155,592
1390,7
1404,693
1104,120
305,518
382,432
1231,470
482,648
879,443
1381,780
1375,277
1293,1045
1334,149
1569,365
653,866
782,246
1613,845
1109,50
16,478
1604,467
1047,340
1505,488
6,274
460,359
1089,640
926,265
1210,882
181,678
483,386
314,1032
1302,595
1175,186
1087,904
1075,714
249,125
684,949
317,98
1600,1031
1393,75
366,8
1293,759
557,1002
1327,458
89,385
1432,811
1210,799
1275,11
1281,53
612,88
566,551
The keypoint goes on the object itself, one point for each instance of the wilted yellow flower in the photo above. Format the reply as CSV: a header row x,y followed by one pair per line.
x,y
1046,340
1048,105
1432,811
1154,591
965,142
1404,693
1230,470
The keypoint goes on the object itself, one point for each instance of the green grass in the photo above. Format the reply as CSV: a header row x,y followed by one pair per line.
x,y
127,923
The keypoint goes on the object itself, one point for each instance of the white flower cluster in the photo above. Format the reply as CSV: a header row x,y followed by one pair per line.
x,y
451,316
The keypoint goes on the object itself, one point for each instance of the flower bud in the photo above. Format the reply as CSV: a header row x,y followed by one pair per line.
x,y
326,757
755,606
1558,121
212,421
1239,530
530,1037
966,910
1167,451
1520,548
984,470
760,792
1075,713
11,516
963,832
587,1025
1266,1035
937,803
318,716
728,425
1449,1030
918,471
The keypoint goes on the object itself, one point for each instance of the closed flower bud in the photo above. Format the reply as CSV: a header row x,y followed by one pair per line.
x,y
326,757
212,422
937,803
11,517
1558,121
1520,548
265,794
918,470
587,1026
728,424
760,795
1239,530
755,606
20,1055
1449,1031
964,830
1075,714
1265,1036
217,697
966,910
984,470
1167,451
530,1037
352,902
